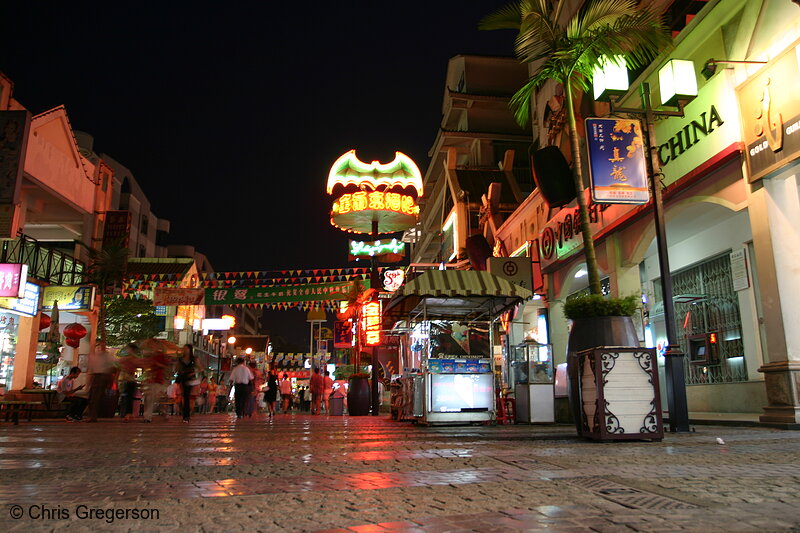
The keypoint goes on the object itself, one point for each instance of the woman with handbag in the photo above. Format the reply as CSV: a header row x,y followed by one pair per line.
x,y
187,378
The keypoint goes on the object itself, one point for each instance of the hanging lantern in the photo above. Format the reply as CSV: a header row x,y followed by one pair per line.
x,y
44,322
74,342
74,331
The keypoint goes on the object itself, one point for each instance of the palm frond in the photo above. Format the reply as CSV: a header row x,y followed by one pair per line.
x,y
598,14
505,18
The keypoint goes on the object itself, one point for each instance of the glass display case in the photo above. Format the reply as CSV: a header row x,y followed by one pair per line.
x,y
534,378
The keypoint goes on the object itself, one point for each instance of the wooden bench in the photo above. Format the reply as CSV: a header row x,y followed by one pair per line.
x,y
13,407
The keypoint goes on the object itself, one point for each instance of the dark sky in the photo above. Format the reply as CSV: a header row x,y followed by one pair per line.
x,y
230,116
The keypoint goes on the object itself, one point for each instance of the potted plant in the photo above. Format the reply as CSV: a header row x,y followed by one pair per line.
x,y
596,321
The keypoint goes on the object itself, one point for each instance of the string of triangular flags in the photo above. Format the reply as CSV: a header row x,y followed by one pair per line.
x,y
136,282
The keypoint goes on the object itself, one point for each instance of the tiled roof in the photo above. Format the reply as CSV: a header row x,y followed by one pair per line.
x,y
159,266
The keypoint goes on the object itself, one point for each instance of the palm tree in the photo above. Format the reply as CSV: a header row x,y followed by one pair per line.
x,y
106,268
567,52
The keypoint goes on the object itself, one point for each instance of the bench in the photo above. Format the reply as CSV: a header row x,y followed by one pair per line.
x,y
13,407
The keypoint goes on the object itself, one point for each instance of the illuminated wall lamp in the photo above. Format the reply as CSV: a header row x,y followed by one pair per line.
x,y
677,82
610,78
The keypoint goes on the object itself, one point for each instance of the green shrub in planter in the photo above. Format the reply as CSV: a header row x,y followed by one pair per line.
x,y
595,305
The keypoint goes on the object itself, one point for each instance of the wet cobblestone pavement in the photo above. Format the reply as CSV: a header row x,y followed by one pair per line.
x,y
304,473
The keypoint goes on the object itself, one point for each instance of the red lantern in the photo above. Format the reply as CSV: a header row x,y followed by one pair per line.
x,y
44,322
71,341
74,331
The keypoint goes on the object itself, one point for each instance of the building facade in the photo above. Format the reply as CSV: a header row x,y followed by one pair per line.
x,y
729,169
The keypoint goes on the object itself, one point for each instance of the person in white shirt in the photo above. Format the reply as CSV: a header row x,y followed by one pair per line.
x,y
241,378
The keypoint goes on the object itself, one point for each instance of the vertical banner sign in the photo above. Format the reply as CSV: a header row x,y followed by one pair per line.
x,y
14,128
117,228
371,322
342,334
617,163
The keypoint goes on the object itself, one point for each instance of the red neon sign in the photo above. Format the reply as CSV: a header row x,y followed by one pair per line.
x,y
371,323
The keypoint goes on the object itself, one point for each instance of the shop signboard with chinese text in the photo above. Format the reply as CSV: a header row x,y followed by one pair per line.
x,y
169,296
287,293
12,280
617,161
117,228
371,322
77,298
28,305
770,110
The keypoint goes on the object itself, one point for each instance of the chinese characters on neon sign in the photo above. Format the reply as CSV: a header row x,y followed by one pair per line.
x,y
375,201
371,323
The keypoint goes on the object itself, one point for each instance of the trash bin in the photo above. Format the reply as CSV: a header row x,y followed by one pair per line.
x,y
336,403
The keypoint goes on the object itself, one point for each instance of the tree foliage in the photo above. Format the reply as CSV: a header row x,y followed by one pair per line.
x,y
566,51
129,320
107,267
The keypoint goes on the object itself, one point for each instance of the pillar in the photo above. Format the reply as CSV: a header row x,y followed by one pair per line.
x,y
774,211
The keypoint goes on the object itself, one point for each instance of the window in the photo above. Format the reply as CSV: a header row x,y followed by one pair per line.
x,y
708,322
144,226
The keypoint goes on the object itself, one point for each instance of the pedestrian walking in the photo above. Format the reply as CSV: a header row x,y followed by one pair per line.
x,y
222,397
327,389
127,380
240,379
254,386
101,374
157,366
187,378
302,393
271,394
286,392
317,388
211,396
202,395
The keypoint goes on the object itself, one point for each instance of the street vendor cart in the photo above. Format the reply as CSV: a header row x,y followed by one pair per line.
x,y
447,317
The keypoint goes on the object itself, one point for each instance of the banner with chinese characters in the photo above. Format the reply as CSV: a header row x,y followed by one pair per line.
x,y
617,163
163,296
286,293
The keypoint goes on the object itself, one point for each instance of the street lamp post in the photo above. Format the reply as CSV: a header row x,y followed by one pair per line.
x,y
678,87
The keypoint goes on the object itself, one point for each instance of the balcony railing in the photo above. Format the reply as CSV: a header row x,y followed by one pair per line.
x,y
44,264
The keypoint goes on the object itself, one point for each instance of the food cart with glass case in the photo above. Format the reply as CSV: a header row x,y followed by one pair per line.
x,y
448,316
534,380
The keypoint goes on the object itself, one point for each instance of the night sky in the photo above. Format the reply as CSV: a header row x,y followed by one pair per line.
x,y
231,117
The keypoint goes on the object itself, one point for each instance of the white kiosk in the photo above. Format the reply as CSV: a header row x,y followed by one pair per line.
x,y
448,316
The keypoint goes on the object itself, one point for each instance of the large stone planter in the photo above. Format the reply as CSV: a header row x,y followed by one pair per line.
x,y
358,397
619,394
589,333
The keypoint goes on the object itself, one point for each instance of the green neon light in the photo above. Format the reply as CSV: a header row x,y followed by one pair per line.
x,y
349,170
359,248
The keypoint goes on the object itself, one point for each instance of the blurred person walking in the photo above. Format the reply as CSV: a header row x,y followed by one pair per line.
x,y
255,386
101,375
240,378
222,397
327,390
317,387
286,393
155,382
127,380
211,396
187,378
271,394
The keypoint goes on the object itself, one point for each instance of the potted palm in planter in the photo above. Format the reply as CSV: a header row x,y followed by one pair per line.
x,y
596,321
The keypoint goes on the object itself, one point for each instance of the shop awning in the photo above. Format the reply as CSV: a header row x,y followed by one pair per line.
x,y
454,295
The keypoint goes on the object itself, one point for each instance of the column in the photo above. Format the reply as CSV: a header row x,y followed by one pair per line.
x,y
774,211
